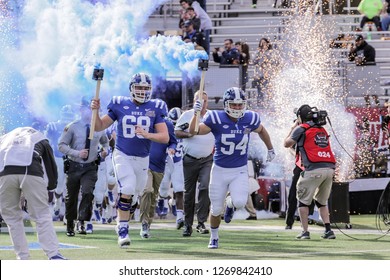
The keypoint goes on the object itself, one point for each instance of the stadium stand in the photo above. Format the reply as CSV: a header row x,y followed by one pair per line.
x,y
235,19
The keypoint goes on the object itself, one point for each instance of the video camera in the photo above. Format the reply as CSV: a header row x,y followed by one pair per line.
x,y
319,116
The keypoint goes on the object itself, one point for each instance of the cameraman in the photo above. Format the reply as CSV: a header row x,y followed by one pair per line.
x,y
362,53
313,147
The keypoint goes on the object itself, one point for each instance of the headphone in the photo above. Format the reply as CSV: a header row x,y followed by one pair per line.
x,y
308,115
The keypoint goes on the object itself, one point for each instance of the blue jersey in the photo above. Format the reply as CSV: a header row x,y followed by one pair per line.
x,y
128,115
231,138
178,151
158,151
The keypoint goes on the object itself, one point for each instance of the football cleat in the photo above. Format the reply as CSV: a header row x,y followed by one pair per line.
x,y
123,237
201,228
160,206
81,227
179,223
303,235
58,257
97,215
328,235
228,216
111,199
89,229
213,244
174,210
145,230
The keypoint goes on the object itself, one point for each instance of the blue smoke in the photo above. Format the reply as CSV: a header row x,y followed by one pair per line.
x,y
50,48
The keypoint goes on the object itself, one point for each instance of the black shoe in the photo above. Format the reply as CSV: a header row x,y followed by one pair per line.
x,y
187,231
251,218
201,228
288,227
81,227
70,228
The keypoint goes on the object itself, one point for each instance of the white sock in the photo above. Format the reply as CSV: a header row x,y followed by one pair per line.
x,y
229,202
214,233
179,214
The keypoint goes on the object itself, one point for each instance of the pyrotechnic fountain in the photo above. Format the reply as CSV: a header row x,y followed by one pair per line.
x,y
302,74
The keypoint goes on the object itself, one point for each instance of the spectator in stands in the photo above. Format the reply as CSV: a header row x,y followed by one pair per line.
x,y
386,15
243,49
254,4
194,36
192,16
262,64
371,9
362,53
229,55
205,20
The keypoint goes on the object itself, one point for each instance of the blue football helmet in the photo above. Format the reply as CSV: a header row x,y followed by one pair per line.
x,y
234,102
174,114
141,87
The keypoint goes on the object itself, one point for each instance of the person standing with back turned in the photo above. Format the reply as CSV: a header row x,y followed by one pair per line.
x,y
23,153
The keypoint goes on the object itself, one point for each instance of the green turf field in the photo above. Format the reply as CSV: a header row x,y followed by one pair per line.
x,y
241,240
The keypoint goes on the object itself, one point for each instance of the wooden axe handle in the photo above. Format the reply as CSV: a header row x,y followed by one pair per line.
x,y
199,97
94,111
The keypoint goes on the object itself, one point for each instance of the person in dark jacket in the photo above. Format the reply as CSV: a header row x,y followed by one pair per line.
x,y
23,153
362,53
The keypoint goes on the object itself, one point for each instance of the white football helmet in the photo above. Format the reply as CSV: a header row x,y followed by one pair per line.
x,y
174,114
141,87
234,102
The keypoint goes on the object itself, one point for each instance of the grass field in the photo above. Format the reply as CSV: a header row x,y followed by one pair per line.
x,y
239,240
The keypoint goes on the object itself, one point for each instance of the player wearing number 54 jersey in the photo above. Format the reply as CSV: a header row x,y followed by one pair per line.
x,y
229,173
140,120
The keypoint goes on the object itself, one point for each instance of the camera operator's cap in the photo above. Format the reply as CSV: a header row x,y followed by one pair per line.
x,y
305,112
188,23
358,38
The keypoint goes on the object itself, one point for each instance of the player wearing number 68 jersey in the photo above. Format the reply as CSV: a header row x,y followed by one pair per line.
x,y
229,173
140,120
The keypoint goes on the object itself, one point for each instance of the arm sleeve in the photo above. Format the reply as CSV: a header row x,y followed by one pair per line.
x,y
50,165
172,138
216,57
64,142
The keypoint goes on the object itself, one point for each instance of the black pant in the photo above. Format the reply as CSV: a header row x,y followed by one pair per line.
x,y
292,197
84,176
376,20
196,170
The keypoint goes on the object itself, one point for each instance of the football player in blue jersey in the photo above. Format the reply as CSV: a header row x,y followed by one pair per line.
x,y
174,175
231,128
140,120
157,161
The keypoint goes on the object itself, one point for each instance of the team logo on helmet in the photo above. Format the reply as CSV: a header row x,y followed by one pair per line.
x,y
174,114
141,87
234,102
